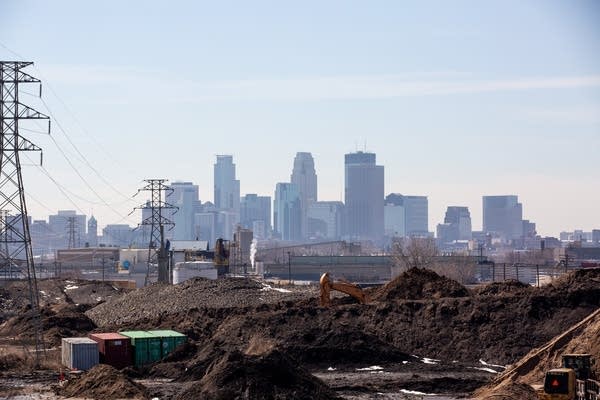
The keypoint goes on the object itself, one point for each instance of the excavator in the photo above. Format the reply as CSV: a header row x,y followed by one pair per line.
x,y
327,285
574,381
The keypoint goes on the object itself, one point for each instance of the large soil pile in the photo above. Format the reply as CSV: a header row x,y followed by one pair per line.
x,y
224,316
267,376
103,382
57,321
583,337
420,283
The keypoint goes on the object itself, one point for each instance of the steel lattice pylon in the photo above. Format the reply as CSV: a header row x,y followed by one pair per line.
x,y
157,221
15,238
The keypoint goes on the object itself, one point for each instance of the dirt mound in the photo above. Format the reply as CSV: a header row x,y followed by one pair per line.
x,y
508,391
341,346
10,361
420,283
58,321
580,338
267,376
103,382
509,287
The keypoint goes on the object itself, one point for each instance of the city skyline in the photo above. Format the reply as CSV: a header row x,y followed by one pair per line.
x,y
454,106
431,223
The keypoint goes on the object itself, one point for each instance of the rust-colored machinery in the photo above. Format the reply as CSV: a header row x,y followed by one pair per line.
x,y
327,285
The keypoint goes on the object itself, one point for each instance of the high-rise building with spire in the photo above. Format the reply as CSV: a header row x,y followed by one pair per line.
x,y
227,195
305,179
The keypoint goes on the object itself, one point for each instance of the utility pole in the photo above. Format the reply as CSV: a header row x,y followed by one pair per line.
x,y
156,221
15,234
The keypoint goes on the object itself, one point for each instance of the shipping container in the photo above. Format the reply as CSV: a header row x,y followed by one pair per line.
x,y
115,349
79,353
169,340
147,347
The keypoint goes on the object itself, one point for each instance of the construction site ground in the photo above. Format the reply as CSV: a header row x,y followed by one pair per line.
x,y
422,334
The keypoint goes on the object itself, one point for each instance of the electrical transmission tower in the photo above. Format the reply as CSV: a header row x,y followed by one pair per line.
x,y
156,221
15,238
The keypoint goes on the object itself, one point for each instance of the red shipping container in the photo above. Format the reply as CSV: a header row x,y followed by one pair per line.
x,y
115,349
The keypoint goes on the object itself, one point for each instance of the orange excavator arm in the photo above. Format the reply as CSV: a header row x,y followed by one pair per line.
x,y
327,285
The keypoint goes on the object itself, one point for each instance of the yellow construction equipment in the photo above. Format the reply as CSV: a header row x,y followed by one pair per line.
x,y
574,381
327,285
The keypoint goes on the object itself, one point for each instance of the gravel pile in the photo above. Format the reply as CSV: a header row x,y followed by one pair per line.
x,y
158,301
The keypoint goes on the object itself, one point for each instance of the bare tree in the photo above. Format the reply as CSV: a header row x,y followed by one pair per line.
x,y
413,253
461,268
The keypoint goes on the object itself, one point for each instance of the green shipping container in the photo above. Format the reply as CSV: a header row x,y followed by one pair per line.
x,y
169,340
147,347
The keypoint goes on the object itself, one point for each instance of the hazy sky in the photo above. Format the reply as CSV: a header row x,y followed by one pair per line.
x,y
459,99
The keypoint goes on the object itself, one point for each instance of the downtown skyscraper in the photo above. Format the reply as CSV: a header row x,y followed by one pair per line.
x,y
226,195
305,179
364,195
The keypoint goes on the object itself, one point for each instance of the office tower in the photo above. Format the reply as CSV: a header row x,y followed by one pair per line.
x,y
185,196
205,226
364,191
456,226
503,216
407,215
287,213
59,225
416,214
92,235
305,178
325,220
394,224
118,235
255,208
227,194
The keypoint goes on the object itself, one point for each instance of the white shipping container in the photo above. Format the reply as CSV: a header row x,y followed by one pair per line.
x,y
79,353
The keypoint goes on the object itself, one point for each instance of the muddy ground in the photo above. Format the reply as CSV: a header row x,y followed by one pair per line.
x,y
421,333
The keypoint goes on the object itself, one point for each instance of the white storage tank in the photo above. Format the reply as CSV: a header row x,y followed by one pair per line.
x,y
193,269
79,353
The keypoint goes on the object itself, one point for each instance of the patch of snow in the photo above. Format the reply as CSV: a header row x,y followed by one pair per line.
x,y
371,368
44,293
331,369
485,369
376,372
268,287
98,298
404,362
69,282
71,287
426,360
405,391
491,365
58,298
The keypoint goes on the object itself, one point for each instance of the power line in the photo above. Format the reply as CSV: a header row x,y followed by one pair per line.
x,y
63,131
85,160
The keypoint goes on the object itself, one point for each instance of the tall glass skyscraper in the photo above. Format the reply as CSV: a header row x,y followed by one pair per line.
x,y
305,178
364,195
287,212
227,195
